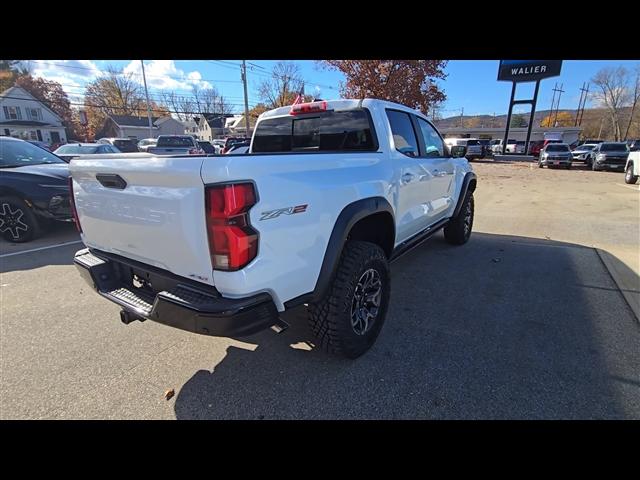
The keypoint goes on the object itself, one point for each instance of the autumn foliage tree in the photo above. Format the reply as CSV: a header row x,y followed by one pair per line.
x,y
116,94
409,82
564,119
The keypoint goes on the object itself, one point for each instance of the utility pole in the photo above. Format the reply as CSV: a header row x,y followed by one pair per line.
x,y
146,93
246,99
553,102
584,92
461,115
600,131
560,92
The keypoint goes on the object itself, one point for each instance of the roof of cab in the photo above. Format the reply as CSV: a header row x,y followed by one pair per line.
x,y
342,104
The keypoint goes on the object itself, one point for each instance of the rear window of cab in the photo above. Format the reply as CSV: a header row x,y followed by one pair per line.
x,y
331,131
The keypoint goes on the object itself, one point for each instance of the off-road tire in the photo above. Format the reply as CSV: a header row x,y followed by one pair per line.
x,y
540,165
457,231
18,223
330,319
629,177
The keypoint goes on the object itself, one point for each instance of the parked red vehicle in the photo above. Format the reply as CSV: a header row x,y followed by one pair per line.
x,y
231,141
535,147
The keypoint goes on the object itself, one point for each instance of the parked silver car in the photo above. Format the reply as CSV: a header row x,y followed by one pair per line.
x,y
146,143
70,151
555,154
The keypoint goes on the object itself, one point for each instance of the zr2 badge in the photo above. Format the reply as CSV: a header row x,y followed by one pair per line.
x,y
280,211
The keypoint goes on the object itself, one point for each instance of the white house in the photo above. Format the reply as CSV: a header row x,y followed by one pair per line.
x,y
128,126
191,127
23,116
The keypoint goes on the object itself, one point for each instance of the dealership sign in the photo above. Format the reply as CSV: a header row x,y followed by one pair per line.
x,y
528,70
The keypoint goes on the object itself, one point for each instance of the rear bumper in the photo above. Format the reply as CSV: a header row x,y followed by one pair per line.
x,y
176,304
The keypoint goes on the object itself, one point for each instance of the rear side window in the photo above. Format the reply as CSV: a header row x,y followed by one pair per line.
x,y
331,131
473,142
404,137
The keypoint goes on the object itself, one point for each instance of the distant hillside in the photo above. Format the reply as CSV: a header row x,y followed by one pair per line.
x,y
499,121
595,122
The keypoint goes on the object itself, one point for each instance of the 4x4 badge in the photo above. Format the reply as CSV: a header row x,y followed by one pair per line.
x,y
287,211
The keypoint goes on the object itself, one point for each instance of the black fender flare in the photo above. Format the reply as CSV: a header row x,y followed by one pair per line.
x,y
348,217
469,183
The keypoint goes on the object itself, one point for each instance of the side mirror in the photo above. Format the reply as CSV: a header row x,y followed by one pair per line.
x,y
458,151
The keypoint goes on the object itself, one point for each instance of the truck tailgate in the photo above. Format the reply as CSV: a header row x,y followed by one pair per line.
x,y
158,218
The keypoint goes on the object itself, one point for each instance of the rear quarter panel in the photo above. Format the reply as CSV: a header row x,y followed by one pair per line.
x,y
292,247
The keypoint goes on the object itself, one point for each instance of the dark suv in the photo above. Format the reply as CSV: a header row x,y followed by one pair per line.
x,y
609,156
34,190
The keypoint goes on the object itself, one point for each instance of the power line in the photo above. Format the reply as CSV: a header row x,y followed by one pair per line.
x,y
112,107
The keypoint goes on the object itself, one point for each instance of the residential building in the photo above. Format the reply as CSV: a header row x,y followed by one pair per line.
x,y
213,125
128,126
23,116
191,127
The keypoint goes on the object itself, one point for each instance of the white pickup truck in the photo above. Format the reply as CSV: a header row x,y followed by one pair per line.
x,y
632,168
330,193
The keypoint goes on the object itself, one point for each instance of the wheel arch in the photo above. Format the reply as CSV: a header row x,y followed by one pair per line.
x,y
369,219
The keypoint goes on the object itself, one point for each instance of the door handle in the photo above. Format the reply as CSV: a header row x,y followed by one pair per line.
x,y
407,177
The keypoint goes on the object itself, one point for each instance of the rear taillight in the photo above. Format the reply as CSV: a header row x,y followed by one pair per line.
x,y
72,202
233,243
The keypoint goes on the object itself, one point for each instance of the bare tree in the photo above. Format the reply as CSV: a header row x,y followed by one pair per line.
x,y
283,86
634,98
209,100
613,94
182,106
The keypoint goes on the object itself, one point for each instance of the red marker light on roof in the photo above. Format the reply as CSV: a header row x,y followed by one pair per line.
x,y
308,107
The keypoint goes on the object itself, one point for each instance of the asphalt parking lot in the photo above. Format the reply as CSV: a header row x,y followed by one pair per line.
x,y
535,318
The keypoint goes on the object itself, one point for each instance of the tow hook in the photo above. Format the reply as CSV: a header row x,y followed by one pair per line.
x,y
128,317
280,326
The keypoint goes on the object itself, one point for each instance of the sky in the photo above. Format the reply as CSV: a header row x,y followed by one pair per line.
x,y
470,84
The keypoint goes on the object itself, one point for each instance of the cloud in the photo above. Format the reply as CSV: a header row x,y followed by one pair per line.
x,y
71,74
164,75
74,68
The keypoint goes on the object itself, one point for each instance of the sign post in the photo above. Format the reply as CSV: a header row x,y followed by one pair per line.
x,y
521,71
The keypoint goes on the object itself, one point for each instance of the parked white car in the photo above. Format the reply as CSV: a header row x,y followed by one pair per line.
x,y
632,168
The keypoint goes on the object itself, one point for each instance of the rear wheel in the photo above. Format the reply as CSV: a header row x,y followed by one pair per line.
x,y
540,165
348,319
17,221
629,177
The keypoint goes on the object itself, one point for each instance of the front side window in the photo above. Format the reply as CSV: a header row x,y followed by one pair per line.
x,y
433,144
404,137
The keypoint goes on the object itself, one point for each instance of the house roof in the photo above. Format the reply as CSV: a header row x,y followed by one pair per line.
x,y
16,91
215,119
131,121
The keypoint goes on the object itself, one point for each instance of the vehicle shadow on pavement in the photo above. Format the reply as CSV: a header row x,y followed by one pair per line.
x,y
502,328
52,236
